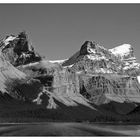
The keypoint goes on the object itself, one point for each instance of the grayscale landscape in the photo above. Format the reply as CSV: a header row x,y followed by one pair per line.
x,y
93,90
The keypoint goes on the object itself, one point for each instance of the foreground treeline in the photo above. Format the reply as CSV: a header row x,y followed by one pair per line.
x,y
18,111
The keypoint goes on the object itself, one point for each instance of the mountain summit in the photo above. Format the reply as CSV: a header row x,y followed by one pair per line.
x,y
18,50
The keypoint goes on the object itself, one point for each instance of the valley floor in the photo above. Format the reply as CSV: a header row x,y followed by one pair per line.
x,y
67,129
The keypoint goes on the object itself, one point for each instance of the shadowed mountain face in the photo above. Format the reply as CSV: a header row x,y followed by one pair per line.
x,y
85,50
18,50
103,83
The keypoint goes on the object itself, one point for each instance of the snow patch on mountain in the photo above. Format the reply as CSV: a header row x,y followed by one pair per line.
x,y
138,78
57,61
123,51
8,40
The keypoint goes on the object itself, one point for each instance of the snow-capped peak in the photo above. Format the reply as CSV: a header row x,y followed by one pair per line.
x,y
124,50
18,50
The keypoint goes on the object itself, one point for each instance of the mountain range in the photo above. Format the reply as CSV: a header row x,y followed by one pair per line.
x,y
94,84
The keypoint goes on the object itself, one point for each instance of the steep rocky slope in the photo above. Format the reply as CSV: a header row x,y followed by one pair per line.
x,y
47,80
126,53
8,73
18,50
59,83
94,58
93,75
107,75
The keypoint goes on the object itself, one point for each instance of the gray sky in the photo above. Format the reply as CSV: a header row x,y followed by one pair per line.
x,y
59,30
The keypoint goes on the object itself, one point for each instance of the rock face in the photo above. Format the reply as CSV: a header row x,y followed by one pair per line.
x,y
60,84
106,77
106,88
96,59
126,53
93,75
18,51
13,81
8,73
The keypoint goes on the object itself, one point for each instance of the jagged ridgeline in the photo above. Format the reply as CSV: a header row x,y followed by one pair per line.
x,y
18,50
95,84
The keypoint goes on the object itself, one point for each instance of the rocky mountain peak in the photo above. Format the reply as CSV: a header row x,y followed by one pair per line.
x,y
91,47
87,48
18,50
125,52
